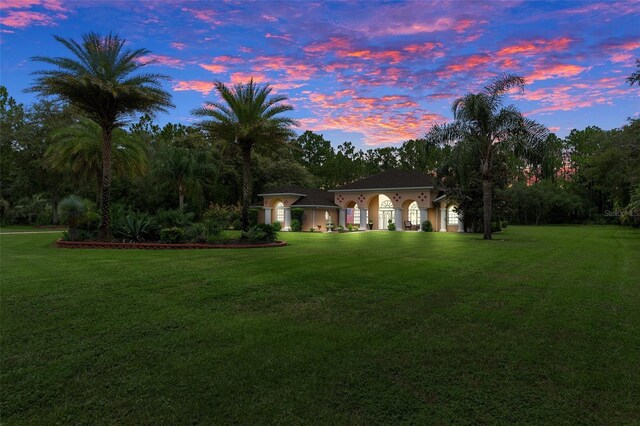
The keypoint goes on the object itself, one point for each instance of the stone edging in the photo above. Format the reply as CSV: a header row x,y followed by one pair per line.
x,y
161,246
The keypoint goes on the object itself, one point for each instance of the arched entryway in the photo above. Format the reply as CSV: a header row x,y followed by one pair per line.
x,y
385,212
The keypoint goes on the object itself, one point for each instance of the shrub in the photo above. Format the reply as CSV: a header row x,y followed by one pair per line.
x,y
135,228
350,227
34,210
276,226
312,229
426,226
504,224
391,226
72,211
172,235
296,226
297,214
260,233
173,218
198,233
223,216
495,227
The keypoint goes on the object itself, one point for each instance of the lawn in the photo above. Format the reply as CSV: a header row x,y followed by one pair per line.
x,y
541,325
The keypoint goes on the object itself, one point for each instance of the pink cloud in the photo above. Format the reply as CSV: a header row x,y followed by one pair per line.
x,y
204,87
244,77
547,72
469,62
55,5
422,48
332,45
534,47
390,56
161,60
216,69
22,19
208,16
381,120
177,45
285,37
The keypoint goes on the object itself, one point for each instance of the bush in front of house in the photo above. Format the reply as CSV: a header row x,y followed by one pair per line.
x,y
296,225
391,226
260,233
172,235
277,226
426,226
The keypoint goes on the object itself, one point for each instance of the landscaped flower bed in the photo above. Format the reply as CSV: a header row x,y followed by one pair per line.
x,y
163,246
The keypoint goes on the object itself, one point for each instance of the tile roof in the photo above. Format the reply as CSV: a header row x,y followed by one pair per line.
x,y
310,197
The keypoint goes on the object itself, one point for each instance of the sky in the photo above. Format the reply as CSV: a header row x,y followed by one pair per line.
x,y
375,73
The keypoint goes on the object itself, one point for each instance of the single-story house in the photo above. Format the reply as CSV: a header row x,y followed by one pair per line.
x,y
405,198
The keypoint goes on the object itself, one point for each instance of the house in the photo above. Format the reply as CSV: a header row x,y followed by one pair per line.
x,y
398,196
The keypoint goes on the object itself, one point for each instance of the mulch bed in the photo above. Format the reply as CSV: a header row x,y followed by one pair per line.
x,y
161,246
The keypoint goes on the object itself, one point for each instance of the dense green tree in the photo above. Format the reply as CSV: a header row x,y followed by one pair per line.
x,y
483,125
77,149
99,80
248,115
181,167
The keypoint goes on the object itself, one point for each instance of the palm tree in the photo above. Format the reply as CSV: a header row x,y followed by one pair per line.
x,y
99,81
182,166
78,149
483,125
247,116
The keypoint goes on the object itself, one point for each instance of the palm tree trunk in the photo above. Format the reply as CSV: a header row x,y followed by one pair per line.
x,y
99,190
246,186
181,196
105,225
486,200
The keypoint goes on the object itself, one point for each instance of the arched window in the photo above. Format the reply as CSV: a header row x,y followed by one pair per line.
x,y
385,212
280,213
452,216
356,215
414,213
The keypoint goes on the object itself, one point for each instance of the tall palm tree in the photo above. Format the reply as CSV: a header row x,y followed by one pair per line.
x,y
99,81
247,116
78,149
483,125
182,166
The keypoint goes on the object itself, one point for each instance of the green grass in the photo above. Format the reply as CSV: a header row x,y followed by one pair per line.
x,y
541,325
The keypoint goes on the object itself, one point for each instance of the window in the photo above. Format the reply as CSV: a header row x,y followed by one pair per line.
x,y
452,216
385,212
280,213
356,215
414,213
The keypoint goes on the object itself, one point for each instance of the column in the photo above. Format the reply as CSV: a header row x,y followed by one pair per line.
x,y
342,218
423,217
363,219
460,223
267,215
287,219
443,218
397,219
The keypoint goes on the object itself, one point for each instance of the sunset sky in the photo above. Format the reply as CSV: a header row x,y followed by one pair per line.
x,y
375,73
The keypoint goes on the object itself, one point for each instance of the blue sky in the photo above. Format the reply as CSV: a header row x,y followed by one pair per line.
x,y
375,73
